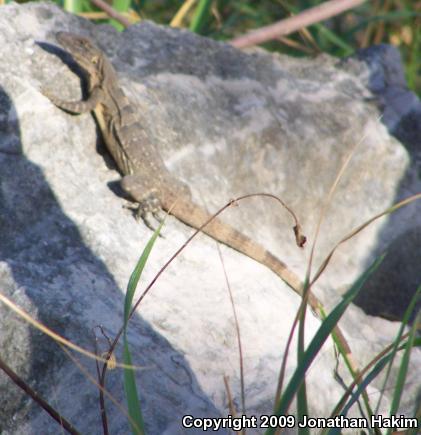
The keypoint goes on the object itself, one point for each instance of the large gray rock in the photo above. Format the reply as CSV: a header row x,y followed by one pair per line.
x,y
228,123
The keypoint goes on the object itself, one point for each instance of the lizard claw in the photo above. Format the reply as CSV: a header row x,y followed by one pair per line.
x,y
150,206
158,216
145,216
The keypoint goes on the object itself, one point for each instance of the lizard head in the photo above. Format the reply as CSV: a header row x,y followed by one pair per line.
x,y
84,52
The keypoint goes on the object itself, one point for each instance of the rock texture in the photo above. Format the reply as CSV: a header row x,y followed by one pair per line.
x,y
228,123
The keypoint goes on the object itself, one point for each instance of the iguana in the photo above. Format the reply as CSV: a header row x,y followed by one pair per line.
x,y
145,177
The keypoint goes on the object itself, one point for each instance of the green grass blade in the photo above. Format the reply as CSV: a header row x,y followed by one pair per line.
x,y
74,6
330,36
133,403
378,368
302,404
403,369
201,15
302,407
405,322
413,66
132,396
417,415
137,272
317,342
335,39
120,6
390,17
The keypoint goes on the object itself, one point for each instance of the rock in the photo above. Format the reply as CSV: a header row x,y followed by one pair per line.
x,y
228,123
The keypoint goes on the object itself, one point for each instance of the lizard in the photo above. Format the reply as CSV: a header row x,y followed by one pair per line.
x,y
146,179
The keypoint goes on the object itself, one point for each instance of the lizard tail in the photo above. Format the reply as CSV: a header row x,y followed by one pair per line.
x,y
195,216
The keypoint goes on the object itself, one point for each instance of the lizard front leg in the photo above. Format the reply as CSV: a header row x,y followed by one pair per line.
x,y
147,194
146,197
76,107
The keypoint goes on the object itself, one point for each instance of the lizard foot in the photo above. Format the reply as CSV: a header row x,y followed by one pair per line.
x,y
146,197
150,206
